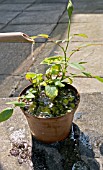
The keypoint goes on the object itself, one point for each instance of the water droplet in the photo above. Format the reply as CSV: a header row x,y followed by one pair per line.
x,y
80,165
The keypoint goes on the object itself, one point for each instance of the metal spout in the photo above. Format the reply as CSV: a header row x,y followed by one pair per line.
x,y
14,37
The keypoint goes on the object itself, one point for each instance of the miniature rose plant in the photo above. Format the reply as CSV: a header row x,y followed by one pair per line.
x,y
48,96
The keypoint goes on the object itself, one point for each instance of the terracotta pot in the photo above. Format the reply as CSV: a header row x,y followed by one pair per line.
x,y
49,130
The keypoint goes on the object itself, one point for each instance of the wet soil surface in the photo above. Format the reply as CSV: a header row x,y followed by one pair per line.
x,y
74,153
42,106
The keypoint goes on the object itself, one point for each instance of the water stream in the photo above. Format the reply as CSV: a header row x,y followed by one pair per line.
x,y
32,50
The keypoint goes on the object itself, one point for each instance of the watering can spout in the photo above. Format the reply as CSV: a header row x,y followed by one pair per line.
x,y
14,37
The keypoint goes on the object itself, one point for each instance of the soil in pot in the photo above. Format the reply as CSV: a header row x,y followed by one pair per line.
x,y
43,107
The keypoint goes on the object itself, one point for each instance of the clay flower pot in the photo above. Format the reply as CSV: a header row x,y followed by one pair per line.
x,y
49,130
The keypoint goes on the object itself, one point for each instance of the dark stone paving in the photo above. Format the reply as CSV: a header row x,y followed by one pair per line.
x,y
4,19
13,7
18,1
30,29
14,54
45,17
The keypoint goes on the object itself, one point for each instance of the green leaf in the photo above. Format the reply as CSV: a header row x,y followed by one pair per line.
x,y
51,60
30,75
76,66
39,77
86,45
82,62
87,74
81,35
51,91
6,114
48,72
55,69
16,103
34,81
44,35
29,96
70,8
58,83
99,78
67,80
43,83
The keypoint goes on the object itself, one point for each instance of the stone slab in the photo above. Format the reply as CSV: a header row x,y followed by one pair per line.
x,y
91,117
83,18
92,55
47,7
43,17
18,1
87,6
17,125
12,56
93,18
13,7
27,64
88,85
94,35
23,83
1,1
8,85
52,1
90,123
33,65
30,30
4,19
46,51
1,26
15,78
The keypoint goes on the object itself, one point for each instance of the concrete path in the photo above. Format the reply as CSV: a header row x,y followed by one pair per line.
x,y
49,16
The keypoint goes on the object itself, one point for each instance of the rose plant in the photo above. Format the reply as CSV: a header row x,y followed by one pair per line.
x,y
49,95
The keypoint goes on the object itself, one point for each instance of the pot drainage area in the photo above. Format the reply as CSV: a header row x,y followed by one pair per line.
x,y
74,153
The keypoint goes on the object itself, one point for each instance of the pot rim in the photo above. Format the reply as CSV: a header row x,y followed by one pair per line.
x,y
51,118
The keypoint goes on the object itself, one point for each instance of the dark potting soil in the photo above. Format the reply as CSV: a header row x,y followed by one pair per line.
x,y
43,106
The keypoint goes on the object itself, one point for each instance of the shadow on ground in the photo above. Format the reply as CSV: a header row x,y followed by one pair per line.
x,y
101,149
74,153
1,167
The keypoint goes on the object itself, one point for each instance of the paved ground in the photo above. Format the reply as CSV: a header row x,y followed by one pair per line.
x,y
49,16
31,17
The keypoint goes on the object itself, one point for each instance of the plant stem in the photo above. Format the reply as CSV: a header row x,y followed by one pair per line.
x,y
68,35
65,51
65,55
58,45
